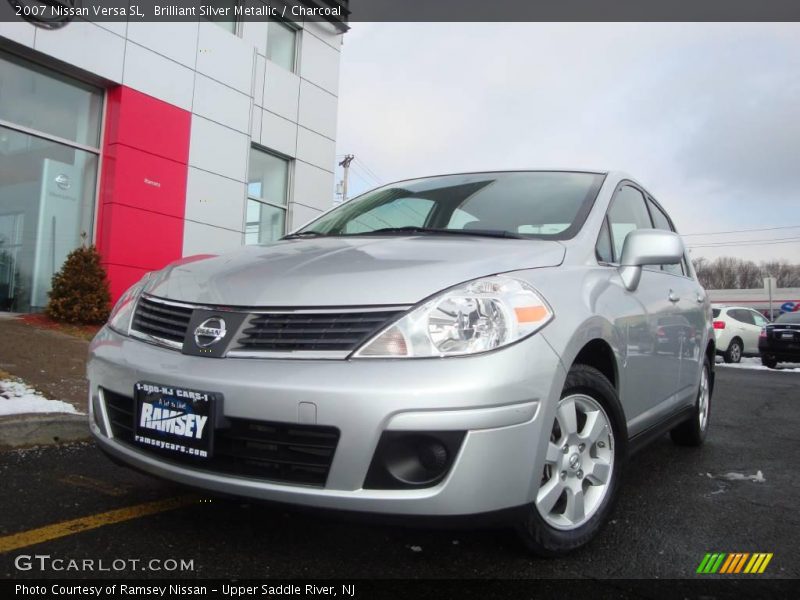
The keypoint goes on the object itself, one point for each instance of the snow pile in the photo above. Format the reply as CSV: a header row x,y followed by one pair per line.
x,y
16,398
755,363
757,478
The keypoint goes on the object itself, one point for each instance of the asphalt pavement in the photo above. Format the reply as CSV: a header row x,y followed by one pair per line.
x,y
676,505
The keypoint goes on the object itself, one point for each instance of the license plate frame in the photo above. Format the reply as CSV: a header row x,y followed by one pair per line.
x,y
168,418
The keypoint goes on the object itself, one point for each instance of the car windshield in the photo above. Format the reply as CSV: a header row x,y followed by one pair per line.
x,y
537,204
715,312
790,317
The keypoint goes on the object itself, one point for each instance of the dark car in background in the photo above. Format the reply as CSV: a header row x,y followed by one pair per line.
x,y
780,341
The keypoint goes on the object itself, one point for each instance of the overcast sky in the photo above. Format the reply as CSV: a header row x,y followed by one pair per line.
x,y
706,116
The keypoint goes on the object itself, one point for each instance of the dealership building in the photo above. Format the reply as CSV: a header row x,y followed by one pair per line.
x,y
156,141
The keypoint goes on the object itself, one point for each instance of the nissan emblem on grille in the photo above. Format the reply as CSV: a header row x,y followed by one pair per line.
x,y
209,332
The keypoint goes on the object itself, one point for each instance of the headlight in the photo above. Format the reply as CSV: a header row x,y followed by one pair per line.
x,y
120,318
473,317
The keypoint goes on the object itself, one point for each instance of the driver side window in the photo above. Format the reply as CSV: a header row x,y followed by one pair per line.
x,y
627,213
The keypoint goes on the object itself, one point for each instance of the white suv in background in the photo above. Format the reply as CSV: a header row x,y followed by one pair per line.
x,y
736,329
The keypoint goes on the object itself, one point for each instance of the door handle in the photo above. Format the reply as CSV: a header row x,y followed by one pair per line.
x,y
673,297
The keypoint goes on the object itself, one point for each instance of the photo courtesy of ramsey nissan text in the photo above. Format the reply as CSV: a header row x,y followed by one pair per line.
x,y
363,299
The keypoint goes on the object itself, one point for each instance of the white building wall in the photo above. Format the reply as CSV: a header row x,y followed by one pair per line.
x,y
237,98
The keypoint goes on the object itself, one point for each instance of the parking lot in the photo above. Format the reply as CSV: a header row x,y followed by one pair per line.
x,y
737,494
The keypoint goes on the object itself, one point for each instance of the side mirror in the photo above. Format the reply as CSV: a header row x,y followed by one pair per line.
x,y
647,247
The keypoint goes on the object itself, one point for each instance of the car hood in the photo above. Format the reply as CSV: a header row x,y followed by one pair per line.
x,y
352,271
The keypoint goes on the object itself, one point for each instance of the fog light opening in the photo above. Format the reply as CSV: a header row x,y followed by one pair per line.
x,y
417,460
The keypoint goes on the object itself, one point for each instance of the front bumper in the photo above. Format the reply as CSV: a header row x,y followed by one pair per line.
x,y
504,401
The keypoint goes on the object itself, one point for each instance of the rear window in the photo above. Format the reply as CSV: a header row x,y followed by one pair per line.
x,y
715,312
792,317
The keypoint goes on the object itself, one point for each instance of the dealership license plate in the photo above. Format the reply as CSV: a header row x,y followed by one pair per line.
x,y
174,420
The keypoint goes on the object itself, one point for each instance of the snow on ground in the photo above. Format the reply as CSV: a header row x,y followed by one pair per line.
x,y
17,398
755,363
757,478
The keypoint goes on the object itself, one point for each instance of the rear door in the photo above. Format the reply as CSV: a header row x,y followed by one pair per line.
x,y
743,323
759,322
690,305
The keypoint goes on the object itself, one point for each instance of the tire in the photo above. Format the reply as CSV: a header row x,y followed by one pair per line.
x,y
693,431
599,420
734,352
769,362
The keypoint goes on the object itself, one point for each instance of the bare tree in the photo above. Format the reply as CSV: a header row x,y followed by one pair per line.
x,y
727,273
786,274
750,276
702,267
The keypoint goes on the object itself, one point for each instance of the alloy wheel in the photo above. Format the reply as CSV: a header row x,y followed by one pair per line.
x,y
703,400
579,463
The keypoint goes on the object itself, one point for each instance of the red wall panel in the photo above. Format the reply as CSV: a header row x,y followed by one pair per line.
x,y
139,238
140,121
142,185
142,180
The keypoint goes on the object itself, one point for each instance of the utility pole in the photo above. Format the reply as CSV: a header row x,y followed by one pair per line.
x,y
348,158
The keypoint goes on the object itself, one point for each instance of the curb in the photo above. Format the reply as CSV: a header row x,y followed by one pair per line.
x,y
19,431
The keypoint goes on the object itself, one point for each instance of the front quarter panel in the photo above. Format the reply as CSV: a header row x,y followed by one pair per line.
x,y
591,303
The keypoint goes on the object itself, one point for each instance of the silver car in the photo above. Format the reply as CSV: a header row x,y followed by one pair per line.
x,y
492,342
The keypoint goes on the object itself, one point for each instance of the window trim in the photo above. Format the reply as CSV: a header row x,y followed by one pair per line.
x,y
647,197
620,186
237,21
651,203
289,180
66,76
607,226
297,41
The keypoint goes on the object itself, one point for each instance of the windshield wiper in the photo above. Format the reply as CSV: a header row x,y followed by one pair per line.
x,y
498,233
304,234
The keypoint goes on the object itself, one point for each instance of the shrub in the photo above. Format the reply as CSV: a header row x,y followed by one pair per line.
x,y
80,289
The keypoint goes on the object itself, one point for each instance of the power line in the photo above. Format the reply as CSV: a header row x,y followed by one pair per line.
x,y
747,243
361,177
370,171
743,230
366,177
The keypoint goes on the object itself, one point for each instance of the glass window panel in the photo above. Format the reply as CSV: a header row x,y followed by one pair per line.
x,y
281,44
39,99
268,177
403,212
661,221
542,204
226,20
461,219
604,251
265,223
659,218
628,212
46,203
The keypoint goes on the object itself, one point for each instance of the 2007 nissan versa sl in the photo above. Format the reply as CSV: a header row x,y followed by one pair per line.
x,y
448,345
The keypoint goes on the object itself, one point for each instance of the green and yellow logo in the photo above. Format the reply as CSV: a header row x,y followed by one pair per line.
x,y
732,563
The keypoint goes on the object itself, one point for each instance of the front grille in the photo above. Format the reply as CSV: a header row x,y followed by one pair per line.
x,y
312,331
281,452
161,320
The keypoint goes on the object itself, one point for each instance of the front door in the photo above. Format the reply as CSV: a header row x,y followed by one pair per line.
x,y
652,374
